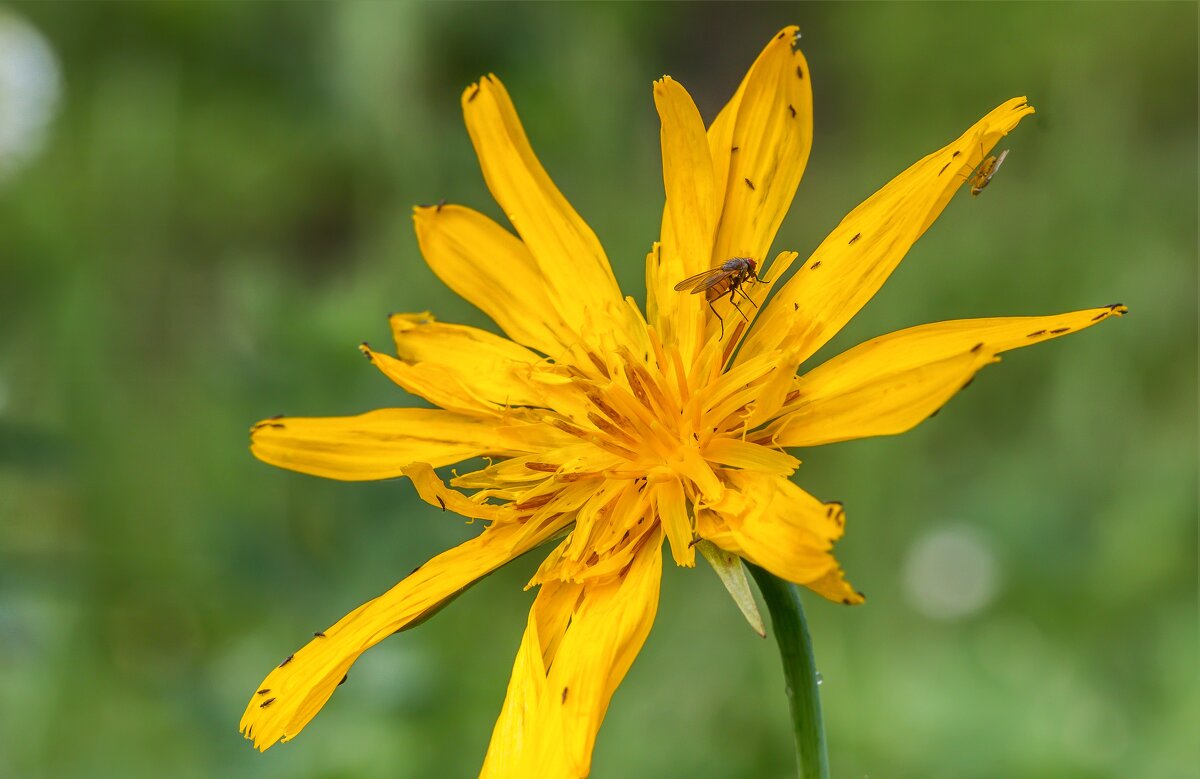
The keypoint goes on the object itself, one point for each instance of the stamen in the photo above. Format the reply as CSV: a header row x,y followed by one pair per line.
x,y
600,364
536,502
608,427
599,402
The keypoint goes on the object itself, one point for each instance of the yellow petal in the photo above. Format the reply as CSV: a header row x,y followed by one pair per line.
x,y
568,255
490,268
853,262
457,367
769,123
518,738
439,384
689,219
579,643
774,524
750,456
672,515
435,492
295,691
380,444
892,383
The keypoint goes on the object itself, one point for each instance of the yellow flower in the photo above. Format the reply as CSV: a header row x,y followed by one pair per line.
x,y
611,431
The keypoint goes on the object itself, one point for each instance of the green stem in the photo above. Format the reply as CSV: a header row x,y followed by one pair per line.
x,y
799,671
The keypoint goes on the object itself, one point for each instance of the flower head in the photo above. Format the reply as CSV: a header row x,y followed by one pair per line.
x,y
612,431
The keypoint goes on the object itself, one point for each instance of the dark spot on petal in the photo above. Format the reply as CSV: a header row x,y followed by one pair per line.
x,y
795,306
750,184
955,154
943,170
1099,316
799,72
263,691
855,238
968,383
441,502
847,601
815,265
343,681
1036,333
1059,330
474,93
779,37
735,148
319,634
564,694
286,660
266,703
793,110
977,347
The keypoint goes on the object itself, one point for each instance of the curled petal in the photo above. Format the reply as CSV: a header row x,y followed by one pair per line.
x,y
457,367
777,526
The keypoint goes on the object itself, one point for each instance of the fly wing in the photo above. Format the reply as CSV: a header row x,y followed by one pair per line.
x,y
716,289
701,281
999,162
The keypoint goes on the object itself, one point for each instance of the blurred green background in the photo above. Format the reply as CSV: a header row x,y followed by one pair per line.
x,y
204,208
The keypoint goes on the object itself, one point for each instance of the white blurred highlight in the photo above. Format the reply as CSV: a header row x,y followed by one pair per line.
x,y
29,91
950,573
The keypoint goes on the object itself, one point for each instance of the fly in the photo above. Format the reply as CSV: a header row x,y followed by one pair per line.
x,y
982,175
729,277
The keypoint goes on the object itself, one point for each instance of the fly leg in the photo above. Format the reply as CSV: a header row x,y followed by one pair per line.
x,y
733,292
719,319
747,297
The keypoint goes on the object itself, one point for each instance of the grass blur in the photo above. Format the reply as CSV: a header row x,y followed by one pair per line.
x,y
218,214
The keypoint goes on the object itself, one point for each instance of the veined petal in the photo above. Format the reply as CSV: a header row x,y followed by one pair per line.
x,y
490,268
689,219
776,525
439,384
892,383
851,264
493,369
568,254
580,641
883,404
760,144
380,444
295,691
